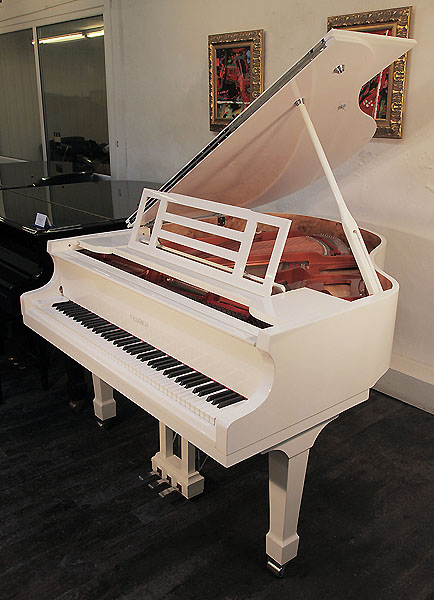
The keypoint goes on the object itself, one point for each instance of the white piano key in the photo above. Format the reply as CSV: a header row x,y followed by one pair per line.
x,y
174,390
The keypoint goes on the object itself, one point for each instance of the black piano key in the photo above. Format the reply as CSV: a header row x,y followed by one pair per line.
x,y
127,344
66,305
145,352
115,335
76,316
137,348
163,363
206,390
196,381
236,398
106,334
104,328
172,368
140,347
92,323
63,303
100,321
110,336
228,396
79,314
177,371
190,376
166,365
128,339
115,328
86,318
216,398
75,312
186,377
215,392
71,308
164,359
144,357
119,341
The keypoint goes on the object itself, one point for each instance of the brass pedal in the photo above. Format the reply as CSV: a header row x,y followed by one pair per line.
x,y
168,491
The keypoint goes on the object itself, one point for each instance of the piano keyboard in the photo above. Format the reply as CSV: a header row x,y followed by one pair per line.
x,y
183,383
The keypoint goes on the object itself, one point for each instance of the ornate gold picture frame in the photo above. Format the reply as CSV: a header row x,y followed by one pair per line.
x,y
236,74
382,97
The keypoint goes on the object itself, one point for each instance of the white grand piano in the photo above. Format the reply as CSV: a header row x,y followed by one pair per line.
x,y
242,332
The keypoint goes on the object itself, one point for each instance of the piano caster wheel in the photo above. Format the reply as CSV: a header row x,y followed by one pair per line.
x,y
103,425
275,568
77,405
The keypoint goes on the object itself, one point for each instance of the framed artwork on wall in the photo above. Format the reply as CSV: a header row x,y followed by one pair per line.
x,y
236,74
383,97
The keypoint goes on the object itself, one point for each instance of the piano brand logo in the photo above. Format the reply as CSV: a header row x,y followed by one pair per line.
x,y
137,319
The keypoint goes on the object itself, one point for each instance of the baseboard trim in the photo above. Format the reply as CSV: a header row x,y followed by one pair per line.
x,y
409,389
8,159
413,368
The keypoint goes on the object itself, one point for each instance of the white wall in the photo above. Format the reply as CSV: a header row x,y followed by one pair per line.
x,y
389,185
157,77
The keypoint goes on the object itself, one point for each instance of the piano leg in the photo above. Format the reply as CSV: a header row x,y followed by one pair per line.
x,y
287,469
179,471
77,387
104,404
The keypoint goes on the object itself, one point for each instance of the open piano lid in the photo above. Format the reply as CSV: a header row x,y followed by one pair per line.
x,y
266,153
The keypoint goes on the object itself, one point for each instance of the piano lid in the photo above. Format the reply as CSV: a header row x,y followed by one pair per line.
x,y
266,153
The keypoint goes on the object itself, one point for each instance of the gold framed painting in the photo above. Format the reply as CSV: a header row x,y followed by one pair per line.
x,y
236,74
383,97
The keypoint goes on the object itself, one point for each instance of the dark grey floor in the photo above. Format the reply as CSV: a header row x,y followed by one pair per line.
x,y
78,523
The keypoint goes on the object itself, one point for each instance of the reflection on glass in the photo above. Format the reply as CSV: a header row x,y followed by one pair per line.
x,y
102,200
20,133
74,91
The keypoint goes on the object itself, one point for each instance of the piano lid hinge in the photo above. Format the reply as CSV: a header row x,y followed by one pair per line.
x,y
299,101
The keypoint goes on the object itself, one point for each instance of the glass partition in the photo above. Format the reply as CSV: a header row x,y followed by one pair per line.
x,y
72,64
20,132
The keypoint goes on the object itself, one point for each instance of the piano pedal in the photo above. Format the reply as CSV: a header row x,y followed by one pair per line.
x,y
151,474
178,470
165,490
168,491
275,568
77,405
154,479
155,483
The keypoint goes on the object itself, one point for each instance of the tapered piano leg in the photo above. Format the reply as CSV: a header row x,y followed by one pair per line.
x,y
104,404
287,469
180,471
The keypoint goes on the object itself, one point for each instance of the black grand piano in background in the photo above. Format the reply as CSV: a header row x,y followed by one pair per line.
x,y
74,203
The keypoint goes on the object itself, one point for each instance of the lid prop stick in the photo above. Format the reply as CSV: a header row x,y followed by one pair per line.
x,y
349,225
